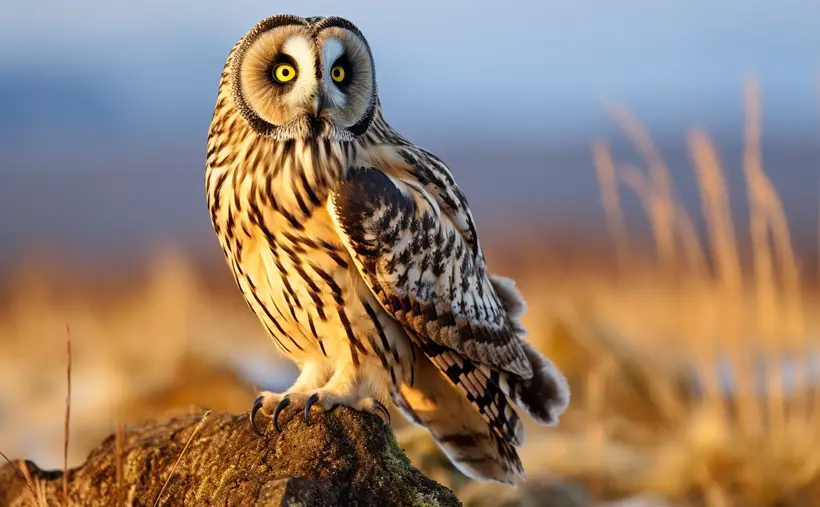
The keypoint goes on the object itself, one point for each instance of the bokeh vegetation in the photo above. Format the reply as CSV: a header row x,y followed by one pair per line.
x,y
693,367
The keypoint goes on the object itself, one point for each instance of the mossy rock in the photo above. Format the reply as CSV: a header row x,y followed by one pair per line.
x,y
342,457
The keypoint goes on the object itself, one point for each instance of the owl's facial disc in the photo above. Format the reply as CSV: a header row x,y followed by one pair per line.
x,y
348,84
291,79
274,77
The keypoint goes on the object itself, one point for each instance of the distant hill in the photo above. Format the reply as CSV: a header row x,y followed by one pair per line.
x,y
42,99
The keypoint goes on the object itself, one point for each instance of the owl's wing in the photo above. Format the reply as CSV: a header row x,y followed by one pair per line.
x,y
425,268
436,178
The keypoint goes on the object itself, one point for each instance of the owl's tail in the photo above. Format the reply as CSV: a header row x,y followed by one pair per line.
x,y
478,448
545,395
466,406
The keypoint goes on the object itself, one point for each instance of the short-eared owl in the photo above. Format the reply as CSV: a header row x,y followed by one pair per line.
x,y
358,252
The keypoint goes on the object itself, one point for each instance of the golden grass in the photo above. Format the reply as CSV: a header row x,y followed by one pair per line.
x,y
66,438
132,345
21,470
636,424
34,486
181,455
39,498
611,200
750,448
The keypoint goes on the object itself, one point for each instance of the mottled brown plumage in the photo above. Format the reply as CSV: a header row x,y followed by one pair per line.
x,y
358,252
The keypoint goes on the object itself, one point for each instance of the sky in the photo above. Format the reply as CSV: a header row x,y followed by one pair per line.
x,y
101,98
543,65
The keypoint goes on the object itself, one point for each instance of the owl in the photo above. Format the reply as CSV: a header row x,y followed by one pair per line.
x,y
357,251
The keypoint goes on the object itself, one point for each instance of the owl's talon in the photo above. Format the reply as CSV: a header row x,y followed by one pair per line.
x,y
309,403
257,405
281,406
383,410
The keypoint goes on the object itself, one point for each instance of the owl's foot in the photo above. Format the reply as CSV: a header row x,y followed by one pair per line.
x,y
274,404
329,401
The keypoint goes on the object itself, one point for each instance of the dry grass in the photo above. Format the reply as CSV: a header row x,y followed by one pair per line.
x,y
66,438
757,446
133,346
37,490
632,346
119,434
181,455
651,411
20,468
34,486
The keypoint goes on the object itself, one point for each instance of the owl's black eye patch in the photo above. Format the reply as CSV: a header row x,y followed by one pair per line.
x,y
341,72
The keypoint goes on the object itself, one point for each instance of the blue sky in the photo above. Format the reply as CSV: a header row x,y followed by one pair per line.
x,y
543,65
100,97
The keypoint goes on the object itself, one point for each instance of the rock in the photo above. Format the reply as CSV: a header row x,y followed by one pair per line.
x,y
342,458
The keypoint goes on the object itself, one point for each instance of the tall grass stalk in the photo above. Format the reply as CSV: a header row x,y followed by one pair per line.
x,y
723,326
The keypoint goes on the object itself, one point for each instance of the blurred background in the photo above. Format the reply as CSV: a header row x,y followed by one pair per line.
x,y
648,172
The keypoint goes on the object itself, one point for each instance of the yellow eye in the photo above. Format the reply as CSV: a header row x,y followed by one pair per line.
x,y
284,72
337,73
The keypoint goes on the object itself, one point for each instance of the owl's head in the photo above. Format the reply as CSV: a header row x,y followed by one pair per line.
x,y
293,77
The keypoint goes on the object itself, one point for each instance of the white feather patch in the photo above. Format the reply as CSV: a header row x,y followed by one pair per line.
x,y
331,51
301,50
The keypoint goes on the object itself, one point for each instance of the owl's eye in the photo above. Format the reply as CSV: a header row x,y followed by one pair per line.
x,y
284,72
337,73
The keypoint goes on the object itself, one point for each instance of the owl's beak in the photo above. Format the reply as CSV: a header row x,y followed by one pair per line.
x,y
318,102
